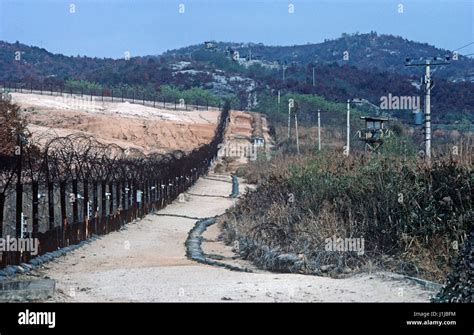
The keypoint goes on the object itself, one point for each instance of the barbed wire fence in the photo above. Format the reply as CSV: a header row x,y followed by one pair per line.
x,y
63,190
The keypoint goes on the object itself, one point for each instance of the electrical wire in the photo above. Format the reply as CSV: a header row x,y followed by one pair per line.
x,y
463,46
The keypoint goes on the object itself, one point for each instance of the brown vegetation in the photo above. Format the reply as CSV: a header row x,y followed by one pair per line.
x,y
414,217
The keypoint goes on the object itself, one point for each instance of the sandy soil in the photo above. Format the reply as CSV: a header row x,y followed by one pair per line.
x,y
126,124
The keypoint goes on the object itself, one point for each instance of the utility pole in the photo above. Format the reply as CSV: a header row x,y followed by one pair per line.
x,y
296,130
290,105
428,111
314,82
427,63
19,185
284,69
348,129
278,103
319,130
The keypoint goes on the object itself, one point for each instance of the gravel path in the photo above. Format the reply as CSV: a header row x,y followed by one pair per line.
x,y
146,262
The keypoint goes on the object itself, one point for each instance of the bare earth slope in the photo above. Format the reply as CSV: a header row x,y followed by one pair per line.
x,y
126,124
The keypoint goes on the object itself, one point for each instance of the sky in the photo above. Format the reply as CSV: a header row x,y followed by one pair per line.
x,y
111,28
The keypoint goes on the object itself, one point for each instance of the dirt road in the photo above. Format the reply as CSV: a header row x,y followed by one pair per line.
x,y
147,262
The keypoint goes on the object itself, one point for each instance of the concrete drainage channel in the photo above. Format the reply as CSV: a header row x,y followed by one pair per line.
x,y
194,246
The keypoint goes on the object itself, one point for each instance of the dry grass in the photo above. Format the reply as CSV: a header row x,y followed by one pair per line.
x,y
410,214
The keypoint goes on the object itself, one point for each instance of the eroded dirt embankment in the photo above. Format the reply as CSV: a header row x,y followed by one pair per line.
x,y
129,125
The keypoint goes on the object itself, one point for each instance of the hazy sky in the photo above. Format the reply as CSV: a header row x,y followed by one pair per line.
x,y
108,28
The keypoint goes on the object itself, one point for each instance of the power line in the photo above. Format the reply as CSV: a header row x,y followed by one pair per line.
x,y
463,46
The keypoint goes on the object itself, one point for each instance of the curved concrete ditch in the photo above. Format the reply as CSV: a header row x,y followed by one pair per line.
x,y
194,249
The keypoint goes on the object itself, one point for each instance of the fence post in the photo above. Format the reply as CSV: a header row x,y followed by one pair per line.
x,y
129,197
2,203
95,204
134,200
144,196
153,191
124,196
111,201
51,205
19,208
62,192
103,207
75,213
85,207
34,190
117,199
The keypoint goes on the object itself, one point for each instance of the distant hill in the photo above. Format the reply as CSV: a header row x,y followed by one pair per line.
x,y
375,68
371,51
